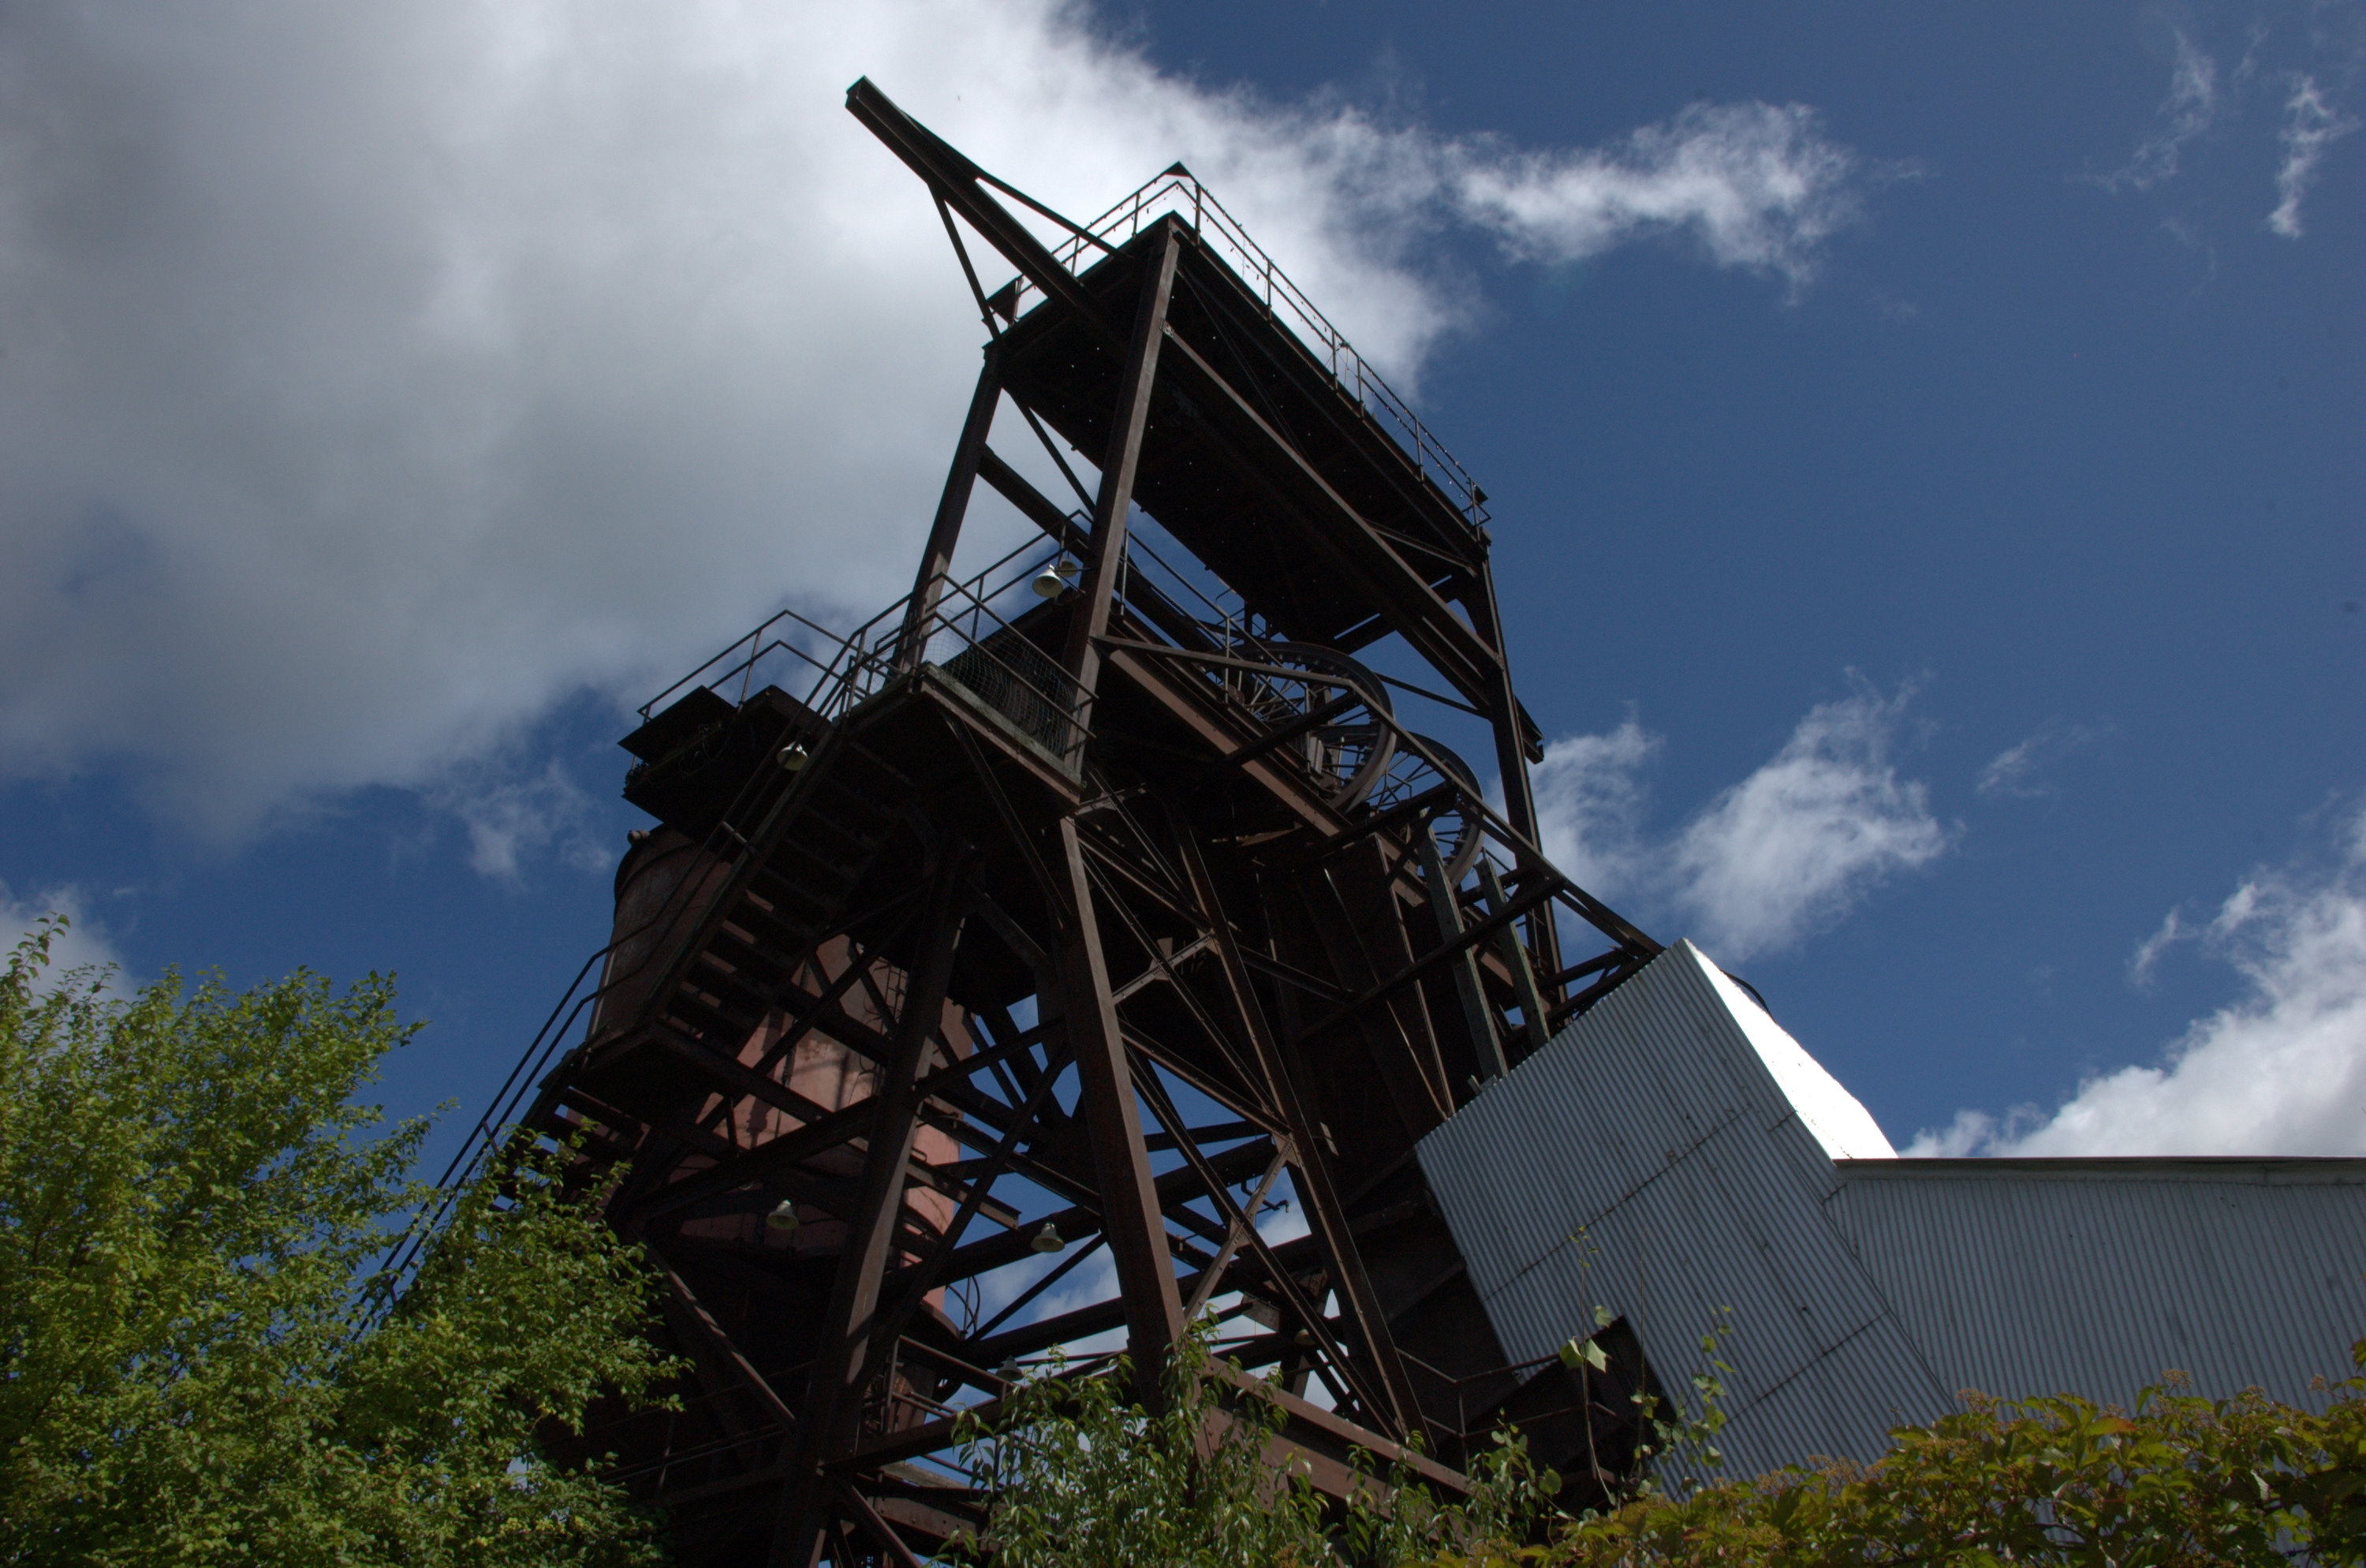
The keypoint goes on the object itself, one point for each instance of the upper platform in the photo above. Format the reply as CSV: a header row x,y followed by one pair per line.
x,y
1256,458
1273,453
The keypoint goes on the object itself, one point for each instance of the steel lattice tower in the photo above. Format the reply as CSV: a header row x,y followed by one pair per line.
x,y
1080,908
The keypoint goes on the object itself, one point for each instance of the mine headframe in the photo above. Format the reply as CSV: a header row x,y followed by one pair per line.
x,y
987,984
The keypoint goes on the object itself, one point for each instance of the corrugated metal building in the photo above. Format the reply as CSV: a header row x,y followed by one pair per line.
x,y
1674,1153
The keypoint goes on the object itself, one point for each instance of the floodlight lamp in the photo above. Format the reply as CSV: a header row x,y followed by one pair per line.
x,y
783,1220
1047,1240
794,758
1054,580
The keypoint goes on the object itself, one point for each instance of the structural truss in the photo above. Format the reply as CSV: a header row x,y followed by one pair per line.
x,y
998,973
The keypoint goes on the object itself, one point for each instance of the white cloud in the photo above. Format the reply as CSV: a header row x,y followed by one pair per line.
x,y
82,943
2310,127
509,814
1792,848
1758,185
1788,851
1590,798
2280,1071
2016,770
2148,952
2192,104
373,379
2010,770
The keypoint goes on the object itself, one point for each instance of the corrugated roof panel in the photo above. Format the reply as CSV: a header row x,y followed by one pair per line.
x,y
1642,1261
1659,1065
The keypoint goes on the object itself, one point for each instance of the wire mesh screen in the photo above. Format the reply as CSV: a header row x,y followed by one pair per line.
x,y
1024,684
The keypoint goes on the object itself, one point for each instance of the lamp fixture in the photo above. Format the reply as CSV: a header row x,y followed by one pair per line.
x,y
1047,1240
1056,579
783,1220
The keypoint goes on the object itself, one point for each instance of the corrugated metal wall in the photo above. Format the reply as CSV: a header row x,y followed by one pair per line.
x,y
1652,1126
2025,1277
1648,1161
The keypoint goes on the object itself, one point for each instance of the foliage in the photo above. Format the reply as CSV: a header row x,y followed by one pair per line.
x,y
2180,1483
1680,1437
1082,1476
1079,1476
187,1193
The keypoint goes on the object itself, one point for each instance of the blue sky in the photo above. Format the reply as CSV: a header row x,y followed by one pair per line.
x,y
1924,446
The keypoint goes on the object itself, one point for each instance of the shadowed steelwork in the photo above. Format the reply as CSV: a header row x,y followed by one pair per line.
x,y
998,967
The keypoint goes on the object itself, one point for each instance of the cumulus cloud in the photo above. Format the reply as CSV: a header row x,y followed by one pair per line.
x,y
82,943
373,379
1785,853
2192,105
2310,127
2280,1070
1790,850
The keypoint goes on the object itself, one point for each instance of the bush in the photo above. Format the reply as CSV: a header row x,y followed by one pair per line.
x,y
2180,1482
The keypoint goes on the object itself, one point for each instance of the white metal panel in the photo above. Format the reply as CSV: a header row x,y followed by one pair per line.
x,y
1842,1125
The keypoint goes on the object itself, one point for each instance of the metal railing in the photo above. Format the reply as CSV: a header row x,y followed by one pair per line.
x,y
969,636
1262,698
1180,192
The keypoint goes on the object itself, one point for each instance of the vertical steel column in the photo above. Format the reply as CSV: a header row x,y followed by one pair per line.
x,y
1082,657
937,560
833,1393
1448,916
1132,1222
1511,759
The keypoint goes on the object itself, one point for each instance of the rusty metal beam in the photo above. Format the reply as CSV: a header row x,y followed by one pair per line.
x,y
1132,1221
842,1366
1446,953
922,1278
721,1344
944,533
1515,959
1312,1176
1448,913
1309,1313
1422,617
962,184
1290,787
1120,463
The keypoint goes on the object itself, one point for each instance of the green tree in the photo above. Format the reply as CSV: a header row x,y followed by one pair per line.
x,y
187,1192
